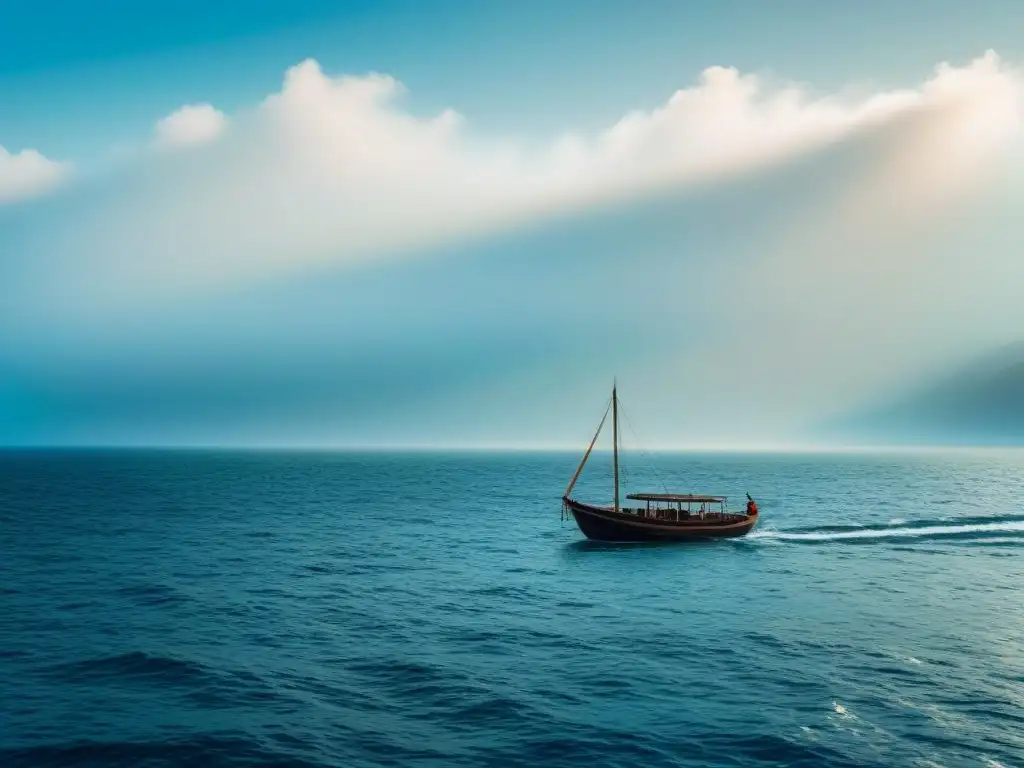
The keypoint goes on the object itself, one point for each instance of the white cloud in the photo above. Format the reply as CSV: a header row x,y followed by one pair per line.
x,y
825,282
331,170
190,125
27,174
896,266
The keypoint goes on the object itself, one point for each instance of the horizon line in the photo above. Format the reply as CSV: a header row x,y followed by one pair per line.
x,y
753,448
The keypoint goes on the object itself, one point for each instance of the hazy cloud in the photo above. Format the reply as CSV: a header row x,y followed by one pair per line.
x,y
333,169
879,236
190,125
901,262
28,174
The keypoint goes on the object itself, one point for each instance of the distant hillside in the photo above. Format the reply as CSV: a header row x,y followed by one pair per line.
x,y
981,404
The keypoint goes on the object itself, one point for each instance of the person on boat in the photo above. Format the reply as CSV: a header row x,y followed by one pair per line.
x,y
751,506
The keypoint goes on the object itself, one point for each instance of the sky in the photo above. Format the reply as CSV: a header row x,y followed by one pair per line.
x,y
453,224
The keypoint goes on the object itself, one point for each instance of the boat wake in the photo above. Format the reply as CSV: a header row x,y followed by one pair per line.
x,y
1005,529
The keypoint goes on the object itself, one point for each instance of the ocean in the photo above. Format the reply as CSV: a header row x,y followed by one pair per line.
x,y
383,609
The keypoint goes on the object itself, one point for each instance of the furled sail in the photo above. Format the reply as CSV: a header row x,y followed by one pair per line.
x,y
586,455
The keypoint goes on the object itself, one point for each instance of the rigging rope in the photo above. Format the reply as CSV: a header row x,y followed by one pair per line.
x,y
657,474
586,456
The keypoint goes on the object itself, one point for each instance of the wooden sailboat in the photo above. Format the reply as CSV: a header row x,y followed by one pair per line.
x,y
663,516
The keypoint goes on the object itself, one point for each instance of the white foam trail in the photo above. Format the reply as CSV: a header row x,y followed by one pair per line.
x,y
839,709
1015,526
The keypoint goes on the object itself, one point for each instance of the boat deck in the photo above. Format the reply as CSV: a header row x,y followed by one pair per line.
x,y
675,515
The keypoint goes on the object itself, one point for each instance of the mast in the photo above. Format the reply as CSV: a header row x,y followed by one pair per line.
x,y
615,441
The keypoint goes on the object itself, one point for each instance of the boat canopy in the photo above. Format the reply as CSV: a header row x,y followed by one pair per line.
x,y
676,497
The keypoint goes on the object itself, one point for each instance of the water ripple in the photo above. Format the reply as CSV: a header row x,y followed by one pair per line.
x,y
166,609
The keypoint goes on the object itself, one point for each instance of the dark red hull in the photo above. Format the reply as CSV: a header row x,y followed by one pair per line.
x,y
603,524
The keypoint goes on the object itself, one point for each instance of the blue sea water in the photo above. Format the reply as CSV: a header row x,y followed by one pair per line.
x,y
319,609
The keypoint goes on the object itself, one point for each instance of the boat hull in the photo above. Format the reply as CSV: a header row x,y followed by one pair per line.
x,y
604,524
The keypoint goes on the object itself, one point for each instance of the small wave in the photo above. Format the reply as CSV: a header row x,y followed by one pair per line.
x,y
765,749
319,568
576,604
74,606
134,665
502,590
472,636
999,541
405,674
207,750
930,531
152,594
494,709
